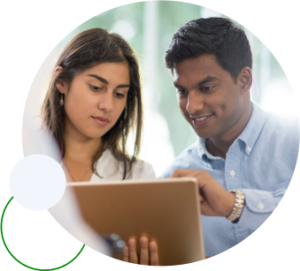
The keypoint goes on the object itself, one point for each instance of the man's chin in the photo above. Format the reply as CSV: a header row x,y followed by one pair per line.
x,y
204,134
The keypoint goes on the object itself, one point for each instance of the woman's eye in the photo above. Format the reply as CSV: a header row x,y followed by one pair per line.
x,y
94,88
119,95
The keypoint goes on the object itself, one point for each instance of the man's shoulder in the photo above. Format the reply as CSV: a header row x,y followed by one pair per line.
x,y
279,139
188,159
271,122
191,150
280,125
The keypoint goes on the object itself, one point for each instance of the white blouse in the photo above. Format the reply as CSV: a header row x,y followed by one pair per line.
x,y
108,168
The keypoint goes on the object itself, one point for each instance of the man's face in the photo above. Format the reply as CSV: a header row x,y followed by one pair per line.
x,y
208,97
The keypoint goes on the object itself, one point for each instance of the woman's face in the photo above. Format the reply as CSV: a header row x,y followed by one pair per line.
x,y
95,99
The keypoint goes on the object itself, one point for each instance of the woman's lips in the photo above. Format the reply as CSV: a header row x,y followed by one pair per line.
x,y
101,120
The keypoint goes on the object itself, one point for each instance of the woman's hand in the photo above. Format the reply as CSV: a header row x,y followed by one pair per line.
x,y
147,256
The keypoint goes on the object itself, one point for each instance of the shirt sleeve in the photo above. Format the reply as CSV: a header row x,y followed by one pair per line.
x,y
259,204
258,207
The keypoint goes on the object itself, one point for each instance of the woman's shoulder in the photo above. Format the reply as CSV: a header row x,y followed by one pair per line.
x,y
109,168
142,170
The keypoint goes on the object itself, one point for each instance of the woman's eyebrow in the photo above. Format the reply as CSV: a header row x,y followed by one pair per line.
x,y
99,78
106,82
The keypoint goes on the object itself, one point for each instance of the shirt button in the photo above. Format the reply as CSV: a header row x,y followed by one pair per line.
x,y
261,206
232,173
249,149
209,165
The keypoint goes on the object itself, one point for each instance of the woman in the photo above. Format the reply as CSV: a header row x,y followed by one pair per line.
x,y
92,103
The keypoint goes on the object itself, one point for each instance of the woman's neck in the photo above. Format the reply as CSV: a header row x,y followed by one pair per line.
x,y
80,148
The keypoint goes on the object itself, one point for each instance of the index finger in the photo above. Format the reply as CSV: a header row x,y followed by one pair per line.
x,y
144,255
126,254
154,260
133,258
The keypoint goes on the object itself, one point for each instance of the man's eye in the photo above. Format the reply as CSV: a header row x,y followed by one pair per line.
x,y
181,91
206,89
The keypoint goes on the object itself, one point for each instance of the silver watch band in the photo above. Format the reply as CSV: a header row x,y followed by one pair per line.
x,y
238,206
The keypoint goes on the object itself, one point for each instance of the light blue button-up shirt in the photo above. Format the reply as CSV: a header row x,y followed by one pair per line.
x,y
260,162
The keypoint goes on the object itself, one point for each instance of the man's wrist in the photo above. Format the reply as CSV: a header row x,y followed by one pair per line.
x,y
238,206
229,204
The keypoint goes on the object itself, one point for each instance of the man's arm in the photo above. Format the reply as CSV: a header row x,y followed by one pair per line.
x,y
216,201
259,205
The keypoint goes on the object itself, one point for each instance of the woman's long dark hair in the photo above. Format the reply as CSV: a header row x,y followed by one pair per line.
x,y
87,49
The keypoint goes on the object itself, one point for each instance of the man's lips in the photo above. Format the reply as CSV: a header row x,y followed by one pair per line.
x,y
201,120
201,117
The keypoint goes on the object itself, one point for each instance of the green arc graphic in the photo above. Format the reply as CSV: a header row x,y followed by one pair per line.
x,y
23,263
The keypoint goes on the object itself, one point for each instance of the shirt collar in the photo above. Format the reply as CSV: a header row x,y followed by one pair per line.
x,y
202,151
248,136
252,130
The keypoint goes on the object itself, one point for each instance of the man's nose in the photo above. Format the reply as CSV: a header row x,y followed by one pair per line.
x,y
195,102
106,102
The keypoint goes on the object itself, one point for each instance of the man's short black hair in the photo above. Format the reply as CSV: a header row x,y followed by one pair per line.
x,y
217,36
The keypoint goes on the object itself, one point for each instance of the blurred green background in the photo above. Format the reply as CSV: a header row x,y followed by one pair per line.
x,y
149,27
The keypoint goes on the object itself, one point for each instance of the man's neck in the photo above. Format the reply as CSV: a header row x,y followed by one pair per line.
x,y
217,147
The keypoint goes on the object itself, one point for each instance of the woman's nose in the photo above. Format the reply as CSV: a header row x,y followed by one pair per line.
x,y
106,101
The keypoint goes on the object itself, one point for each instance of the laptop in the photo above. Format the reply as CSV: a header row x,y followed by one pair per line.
x,y
165,210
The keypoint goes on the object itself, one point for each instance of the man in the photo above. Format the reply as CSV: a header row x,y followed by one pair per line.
x,y
244,158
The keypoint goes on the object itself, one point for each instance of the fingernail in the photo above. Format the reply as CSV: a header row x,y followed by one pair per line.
x,y
144,241
152,245
131,242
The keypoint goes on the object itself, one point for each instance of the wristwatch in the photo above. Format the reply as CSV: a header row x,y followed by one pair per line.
x,y
238,205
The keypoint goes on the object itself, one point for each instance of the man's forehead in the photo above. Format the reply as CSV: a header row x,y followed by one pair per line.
x,y
187,76
199,62
204,67
175,74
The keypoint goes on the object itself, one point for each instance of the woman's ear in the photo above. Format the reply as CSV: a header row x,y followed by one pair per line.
x,y
57,71
60,84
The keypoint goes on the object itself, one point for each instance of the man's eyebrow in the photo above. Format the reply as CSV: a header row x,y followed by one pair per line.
x,y
207,79
202,82
177,85
106,82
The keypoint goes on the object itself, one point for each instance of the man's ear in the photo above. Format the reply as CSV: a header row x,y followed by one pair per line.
x,y
244,79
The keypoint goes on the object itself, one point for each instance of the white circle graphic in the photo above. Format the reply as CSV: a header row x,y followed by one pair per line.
x,y
37,182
